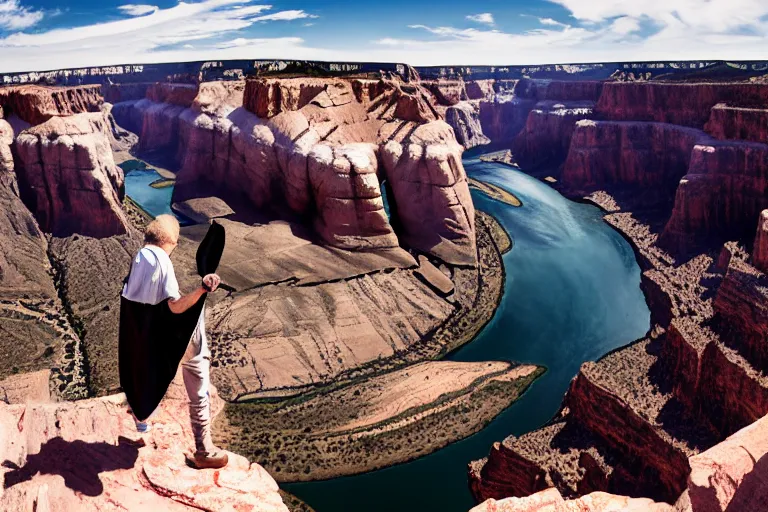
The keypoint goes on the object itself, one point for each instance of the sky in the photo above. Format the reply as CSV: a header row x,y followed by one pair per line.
x,y
39,35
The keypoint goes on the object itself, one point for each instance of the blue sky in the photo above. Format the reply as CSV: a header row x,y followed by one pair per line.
x,y
46,34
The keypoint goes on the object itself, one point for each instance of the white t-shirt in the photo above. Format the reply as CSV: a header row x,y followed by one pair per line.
x,y
152,280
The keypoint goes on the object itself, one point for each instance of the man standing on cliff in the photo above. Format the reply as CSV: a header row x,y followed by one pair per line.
x,y
151,282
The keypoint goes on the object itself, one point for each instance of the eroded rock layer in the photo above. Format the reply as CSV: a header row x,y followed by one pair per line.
x,y
68,176
318,150
36,104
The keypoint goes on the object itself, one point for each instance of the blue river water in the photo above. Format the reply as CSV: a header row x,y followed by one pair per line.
x,y
571,295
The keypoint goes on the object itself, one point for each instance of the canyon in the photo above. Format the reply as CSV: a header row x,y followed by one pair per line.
x,y
332,294
356,260
680,170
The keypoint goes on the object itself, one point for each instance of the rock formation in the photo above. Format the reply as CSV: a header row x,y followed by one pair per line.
x,y
68,177
652,155
760,251
720,197
728,476
318,149
636,422
36,104
686,104
546,137
464,118
88,456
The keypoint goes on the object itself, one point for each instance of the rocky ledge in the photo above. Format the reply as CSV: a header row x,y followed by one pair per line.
x,y
728,476
88,456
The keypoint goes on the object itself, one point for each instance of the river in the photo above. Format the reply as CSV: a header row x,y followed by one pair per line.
x,y
571,295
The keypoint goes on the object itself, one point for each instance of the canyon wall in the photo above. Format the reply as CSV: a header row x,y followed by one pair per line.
x,y
720,197
318,150
629,153
686,104
728,476
680,169
35,104
68,177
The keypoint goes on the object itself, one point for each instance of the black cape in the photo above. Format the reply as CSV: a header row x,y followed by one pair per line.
x,y
153,339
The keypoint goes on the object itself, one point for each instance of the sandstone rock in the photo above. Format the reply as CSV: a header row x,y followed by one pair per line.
x,y
430,193
502,118
464,118
547,500
117,93
203,210
219,98
175,94
88,456
731,475
546,138
577,90
7,174
119,138
268,97
721,196
279,252
726,122
760,251
447,92
284,333
68,176
159,126
347,193
306,161
36,104
687,104
433,276
480,89
629,153
26,388
551,501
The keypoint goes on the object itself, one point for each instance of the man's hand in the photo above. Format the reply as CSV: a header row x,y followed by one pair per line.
x,y
211,282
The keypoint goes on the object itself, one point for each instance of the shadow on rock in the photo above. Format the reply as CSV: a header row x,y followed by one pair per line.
x,y
78,462
752,494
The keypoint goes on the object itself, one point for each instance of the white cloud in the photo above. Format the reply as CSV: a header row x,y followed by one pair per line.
x,y
485,18
551,22
157,36
625,25
607,31
285,16
241,42
138,9
13,16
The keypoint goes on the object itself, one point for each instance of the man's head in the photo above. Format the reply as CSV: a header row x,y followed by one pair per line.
x,y
163,232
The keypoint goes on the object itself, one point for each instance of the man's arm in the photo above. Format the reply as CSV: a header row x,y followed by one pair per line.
x,y
187,301
182,304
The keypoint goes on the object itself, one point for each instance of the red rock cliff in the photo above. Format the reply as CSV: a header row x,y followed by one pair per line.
x,y
721,196
678,103
68,177
314,149
36,104
629,153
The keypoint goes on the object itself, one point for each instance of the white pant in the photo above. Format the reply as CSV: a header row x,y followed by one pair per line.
x,y
196,371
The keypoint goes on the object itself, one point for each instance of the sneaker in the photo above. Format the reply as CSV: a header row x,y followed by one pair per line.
x,y
143,427
212,460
